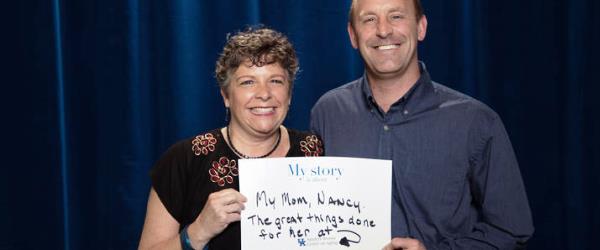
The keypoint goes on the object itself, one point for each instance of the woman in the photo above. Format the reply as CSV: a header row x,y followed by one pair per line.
x,y
194,201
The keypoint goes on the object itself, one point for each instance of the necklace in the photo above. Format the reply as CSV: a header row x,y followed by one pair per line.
x,y
253,157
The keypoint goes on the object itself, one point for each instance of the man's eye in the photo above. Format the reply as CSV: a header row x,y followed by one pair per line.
x,y
277,81
368,20
247,82
397,17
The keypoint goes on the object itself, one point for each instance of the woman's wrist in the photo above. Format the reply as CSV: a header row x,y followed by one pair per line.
x,y
196,236
184,239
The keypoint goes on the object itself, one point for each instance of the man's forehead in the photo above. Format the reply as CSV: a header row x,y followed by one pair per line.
x,y
368,6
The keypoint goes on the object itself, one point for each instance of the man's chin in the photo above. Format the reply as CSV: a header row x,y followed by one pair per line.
x,y
388,71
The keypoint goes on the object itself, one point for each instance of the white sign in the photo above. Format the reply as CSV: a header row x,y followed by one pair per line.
x,y
315,203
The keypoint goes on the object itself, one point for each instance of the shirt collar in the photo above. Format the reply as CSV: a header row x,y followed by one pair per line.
x,y
419,96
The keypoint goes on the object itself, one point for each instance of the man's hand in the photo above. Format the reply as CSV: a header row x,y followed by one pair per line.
x,y
404,243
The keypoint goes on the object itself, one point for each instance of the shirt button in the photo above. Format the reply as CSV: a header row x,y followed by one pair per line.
x,y
386,128
405,112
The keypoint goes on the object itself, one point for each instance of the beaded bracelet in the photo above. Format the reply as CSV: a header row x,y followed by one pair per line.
x,y
184,238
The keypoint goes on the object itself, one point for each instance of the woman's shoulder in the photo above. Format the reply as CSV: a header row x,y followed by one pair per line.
x,y
299,134
305,143
201,144
206,142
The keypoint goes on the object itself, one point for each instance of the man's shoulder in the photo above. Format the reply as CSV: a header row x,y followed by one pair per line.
x,y
345,93
451,98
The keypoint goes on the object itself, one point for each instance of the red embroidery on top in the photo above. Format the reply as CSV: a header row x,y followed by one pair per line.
x,y
203,144
222,171
311,146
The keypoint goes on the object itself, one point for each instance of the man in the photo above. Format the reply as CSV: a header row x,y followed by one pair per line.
x,y
456,181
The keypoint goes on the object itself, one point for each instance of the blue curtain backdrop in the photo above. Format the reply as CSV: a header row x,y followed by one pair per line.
x,y
94,91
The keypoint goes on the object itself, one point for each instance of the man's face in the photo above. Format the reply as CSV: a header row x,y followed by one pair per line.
x,y
386,33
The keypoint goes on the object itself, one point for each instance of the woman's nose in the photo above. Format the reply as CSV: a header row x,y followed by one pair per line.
x,y
263,91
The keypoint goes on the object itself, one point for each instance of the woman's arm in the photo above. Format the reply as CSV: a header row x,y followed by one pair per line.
x,y
161,230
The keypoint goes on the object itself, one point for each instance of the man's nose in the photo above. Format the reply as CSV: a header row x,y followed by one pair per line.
x,y
383,28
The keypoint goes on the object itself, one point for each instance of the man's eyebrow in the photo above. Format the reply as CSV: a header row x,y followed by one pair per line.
x,y
397,9
370,12
366,13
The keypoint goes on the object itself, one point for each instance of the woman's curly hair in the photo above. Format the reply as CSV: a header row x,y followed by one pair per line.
x,y
261,46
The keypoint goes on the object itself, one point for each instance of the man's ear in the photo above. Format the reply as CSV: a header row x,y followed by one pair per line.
x,y
352,35
422,28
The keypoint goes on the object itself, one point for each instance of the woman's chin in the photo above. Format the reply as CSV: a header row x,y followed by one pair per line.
x,y
266,129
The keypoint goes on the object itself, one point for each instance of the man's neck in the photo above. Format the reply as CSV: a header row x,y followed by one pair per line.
x,y
388,90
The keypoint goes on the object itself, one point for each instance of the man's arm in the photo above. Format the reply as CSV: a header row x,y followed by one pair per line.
x,y
316,121
499,196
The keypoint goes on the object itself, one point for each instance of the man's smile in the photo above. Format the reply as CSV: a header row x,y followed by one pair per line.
x,y
387,47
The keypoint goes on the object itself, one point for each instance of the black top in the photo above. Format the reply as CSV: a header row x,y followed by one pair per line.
x,y
192,169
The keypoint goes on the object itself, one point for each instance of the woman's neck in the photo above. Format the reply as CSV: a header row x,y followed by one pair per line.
x,y
255,146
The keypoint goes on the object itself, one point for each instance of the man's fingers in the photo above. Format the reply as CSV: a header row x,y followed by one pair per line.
x,y
399,242
403,243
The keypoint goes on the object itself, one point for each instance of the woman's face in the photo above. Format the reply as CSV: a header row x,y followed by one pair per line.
x,y
258,98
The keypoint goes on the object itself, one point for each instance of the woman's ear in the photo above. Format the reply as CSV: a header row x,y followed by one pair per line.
x,y
225,98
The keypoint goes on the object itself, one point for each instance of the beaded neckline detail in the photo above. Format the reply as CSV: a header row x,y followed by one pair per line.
x,y
238,153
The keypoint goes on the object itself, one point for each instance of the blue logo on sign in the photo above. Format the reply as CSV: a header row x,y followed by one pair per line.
x,y
302,242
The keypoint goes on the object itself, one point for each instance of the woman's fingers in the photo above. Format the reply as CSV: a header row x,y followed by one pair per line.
x,y
221,209
225,202
226,197
236,207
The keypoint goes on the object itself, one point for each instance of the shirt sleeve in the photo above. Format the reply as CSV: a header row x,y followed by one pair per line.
x,y
169,180
316,120
499,196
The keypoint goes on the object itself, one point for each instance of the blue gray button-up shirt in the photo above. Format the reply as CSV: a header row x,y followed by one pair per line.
x,y
456,181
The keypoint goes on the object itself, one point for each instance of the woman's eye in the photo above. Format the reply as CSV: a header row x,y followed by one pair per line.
x,y
278,81
247,82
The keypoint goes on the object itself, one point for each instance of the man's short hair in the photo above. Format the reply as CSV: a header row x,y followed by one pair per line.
x,y
418,10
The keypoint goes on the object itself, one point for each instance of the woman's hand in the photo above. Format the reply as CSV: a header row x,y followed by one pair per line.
x,y
221,209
